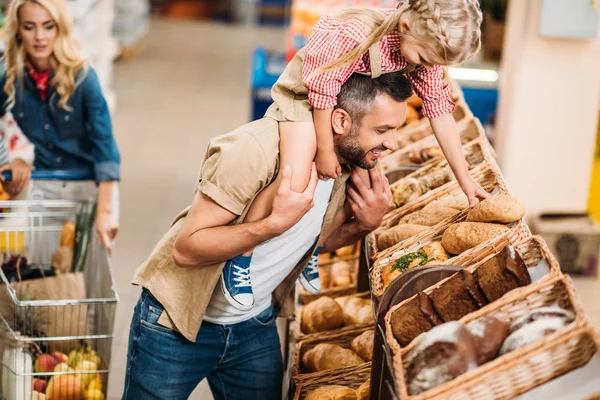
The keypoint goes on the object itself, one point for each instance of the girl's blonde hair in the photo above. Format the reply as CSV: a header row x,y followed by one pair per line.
x,y
448,29
65,59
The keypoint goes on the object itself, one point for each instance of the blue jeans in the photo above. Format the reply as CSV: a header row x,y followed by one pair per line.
x,y
240,361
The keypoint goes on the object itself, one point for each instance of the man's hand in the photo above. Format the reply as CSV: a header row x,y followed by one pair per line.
x,y
106,229
289,206
369,205
21,173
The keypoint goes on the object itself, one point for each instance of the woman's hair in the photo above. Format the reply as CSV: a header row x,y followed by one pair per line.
x,y
448,29
65,59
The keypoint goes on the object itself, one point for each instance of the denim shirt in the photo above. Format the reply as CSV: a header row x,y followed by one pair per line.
x,y
80,139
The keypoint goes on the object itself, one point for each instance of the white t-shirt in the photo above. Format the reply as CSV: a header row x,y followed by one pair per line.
x,y
273,260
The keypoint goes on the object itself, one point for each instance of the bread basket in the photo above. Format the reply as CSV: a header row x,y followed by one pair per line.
x,y
299,335
306,297
351,378
520,370
343,339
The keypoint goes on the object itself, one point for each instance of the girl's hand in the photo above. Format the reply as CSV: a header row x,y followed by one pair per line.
x,y
21,174
328,165
474,192
106,230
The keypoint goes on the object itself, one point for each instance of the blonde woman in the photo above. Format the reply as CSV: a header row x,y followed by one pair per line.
x,y
417,37
56,99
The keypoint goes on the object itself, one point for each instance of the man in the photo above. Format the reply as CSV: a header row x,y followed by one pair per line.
x,y
183,330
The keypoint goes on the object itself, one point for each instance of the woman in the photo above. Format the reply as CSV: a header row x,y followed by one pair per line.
x,y
57,101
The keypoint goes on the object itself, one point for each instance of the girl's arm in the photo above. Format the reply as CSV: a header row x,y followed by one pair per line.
x,y
447,136
327,162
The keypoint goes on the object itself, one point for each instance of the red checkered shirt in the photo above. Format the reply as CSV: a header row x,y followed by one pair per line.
x,y
334,37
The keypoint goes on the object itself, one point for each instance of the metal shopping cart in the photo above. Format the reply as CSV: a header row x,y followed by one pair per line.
x,y
56,330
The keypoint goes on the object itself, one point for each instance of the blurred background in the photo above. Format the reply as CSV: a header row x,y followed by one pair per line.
x,y
178,72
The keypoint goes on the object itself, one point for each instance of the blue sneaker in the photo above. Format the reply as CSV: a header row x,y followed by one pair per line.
x,y
309,278
235,283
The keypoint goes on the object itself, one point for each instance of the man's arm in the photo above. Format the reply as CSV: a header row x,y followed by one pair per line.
x,y
368,206
207,239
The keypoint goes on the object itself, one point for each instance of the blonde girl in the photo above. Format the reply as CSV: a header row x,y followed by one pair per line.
x,y
57,102
417,37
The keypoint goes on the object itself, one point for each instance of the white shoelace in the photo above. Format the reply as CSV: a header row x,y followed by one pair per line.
x,y
313,265
242,276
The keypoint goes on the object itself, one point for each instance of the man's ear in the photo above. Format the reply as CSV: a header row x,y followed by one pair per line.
x,y
340,121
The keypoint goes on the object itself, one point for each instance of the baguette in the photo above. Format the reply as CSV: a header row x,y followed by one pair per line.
x,y
325,356
463,236
362,345
429,216
397,234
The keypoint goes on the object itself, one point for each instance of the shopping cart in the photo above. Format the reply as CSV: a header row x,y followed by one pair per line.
x,y
55,331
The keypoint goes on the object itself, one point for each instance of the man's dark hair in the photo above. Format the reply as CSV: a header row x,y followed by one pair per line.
x,y
358,92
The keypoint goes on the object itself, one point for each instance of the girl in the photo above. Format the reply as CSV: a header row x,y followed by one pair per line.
x,y
57,101
418,37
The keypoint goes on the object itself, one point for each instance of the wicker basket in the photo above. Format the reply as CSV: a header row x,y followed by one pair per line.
x,y
306,297
489,177
343,339
469,129
351,378
299,335
523,369
516,234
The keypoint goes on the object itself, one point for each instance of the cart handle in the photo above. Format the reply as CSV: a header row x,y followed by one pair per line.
x,y
55,175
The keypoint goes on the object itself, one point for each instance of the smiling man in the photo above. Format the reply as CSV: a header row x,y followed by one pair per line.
x,y
183,329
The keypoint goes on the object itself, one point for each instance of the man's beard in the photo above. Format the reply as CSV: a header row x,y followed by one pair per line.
x,y
348,149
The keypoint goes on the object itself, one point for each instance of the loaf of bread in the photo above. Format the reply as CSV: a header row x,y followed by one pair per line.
x,y
441,355
341,274
324,258
326,356
332,392
362,345
488,335
421,155
364,391
501,274
345,251
323,277
413,318
534,325
435,252
407,190
502,208
396,234
458,202
463,236
457,297
356,310
323,314
435,179
429,216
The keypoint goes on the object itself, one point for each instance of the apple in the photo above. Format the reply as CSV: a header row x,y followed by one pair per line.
x,y
39,385
45,363
60,357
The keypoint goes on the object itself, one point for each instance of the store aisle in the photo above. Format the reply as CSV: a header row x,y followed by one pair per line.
x,y
190,84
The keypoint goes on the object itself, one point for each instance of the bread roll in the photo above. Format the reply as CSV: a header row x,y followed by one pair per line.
x,y
501,274
345,251
435,252
364,391
489,334
457,297
341,274
458,202
323,277
413,318
435,179
441,355
429,216
332,392
389,237
324,257
463,236
325,356
357,311
502,208
534,325
406,191
362,345
323,314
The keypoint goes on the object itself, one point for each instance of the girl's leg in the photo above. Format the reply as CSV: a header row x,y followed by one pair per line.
x,y
297,149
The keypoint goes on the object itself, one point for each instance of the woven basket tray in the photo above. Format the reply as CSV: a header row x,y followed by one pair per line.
x,y
421,128
518,232
488,176
343,339
520,370
351,378
469,129
299,335
306,297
